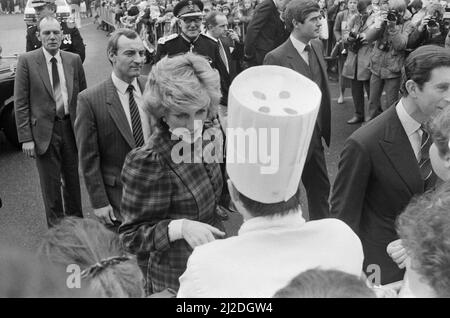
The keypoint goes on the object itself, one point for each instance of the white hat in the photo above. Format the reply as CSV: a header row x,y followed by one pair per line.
x,y
279,106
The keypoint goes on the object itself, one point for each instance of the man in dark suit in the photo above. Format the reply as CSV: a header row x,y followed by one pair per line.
x,y
217,29
110,122
46,87
385,163
266,31
302,52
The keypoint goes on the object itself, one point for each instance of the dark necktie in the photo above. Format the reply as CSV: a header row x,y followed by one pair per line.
x,y
223,55
308,49
57,93
426,170
135,118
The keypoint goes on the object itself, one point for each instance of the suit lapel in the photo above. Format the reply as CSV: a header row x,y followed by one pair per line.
x,y
398,149
43,71
295,60
117,113
68,74
186,172
321,60
141,83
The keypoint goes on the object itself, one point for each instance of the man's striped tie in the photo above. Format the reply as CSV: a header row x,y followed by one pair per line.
x,y
426,170
223,55
135,118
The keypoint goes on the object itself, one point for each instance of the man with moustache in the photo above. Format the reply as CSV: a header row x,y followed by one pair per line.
x,y
110,122
46,87
303,53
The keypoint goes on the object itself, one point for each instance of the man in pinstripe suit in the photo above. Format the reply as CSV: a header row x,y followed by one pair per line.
x,y
110,122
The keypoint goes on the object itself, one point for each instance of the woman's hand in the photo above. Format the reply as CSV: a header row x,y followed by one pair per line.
x,y
398,253
198,233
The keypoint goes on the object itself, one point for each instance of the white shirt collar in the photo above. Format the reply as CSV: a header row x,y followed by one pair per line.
x,y
48,56
290,220
299,45
410,125
122,86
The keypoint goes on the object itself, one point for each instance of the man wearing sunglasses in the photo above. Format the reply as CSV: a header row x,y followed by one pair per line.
x,y
190,39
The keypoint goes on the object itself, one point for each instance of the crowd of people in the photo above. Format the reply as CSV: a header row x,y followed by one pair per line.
x,y
163,171
12,6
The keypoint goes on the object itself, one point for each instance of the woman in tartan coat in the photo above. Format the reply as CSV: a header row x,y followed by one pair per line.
x,y
168,206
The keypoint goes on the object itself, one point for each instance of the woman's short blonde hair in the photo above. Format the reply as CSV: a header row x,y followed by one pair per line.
x,y
180,83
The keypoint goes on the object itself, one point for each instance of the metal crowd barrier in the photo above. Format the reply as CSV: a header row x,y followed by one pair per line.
x,y
161,29
107,16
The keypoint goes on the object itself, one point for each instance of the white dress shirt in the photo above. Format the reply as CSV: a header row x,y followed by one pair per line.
x,y
121,87
62,78
412,129
300,47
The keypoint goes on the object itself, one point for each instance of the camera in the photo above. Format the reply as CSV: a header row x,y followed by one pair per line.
x,y
433,22
354,42
394,16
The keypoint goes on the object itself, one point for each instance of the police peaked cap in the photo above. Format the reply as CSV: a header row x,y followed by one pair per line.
x,y
188,8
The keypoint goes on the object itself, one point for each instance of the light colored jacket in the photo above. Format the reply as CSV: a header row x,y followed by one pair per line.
x,y
357,64
388,64
267,254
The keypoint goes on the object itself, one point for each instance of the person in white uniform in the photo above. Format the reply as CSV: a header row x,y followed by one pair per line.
x,y
279,106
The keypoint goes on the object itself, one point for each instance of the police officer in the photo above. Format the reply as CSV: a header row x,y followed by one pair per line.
x,y
71,37
190,14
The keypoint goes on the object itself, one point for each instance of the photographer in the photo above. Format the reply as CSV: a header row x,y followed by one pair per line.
x,y
356,66
432,29
341,31
390,32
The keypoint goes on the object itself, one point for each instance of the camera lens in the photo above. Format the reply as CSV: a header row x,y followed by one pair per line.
x,y
432,23
392,17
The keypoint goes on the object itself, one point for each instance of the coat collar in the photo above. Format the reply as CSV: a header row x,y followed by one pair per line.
x,y
68,73
261,223
43,72
295,60
164,144
116,110
398,149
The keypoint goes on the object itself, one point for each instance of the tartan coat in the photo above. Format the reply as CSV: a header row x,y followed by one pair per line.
x,y
156,191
